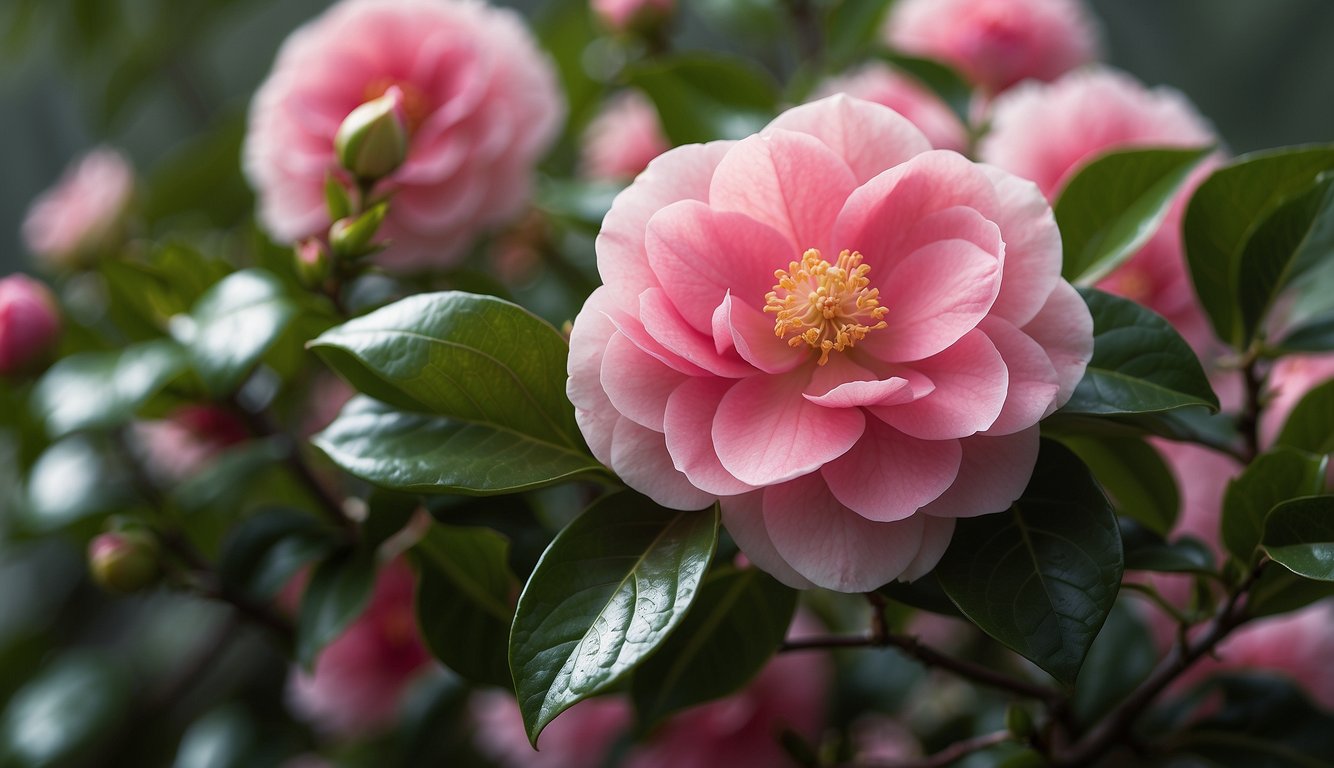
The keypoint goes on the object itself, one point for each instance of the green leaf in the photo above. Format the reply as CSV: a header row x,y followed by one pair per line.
x,y
1041,576
1313,335
478,359
1146,550
95,390
1114,204
581,202
1120,658
232,325
1279,590
70,481
226,481
1134,475
1140,364
1264,722
850,26
465,600
924,594
1227,210
607,592
1299,533
64,711
418,453
736,624
1276,476
939,77
262,553
1310,426
702,97
338,592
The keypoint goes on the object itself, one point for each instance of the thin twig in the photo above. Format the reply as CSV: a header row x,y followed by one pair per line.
x,y
1152,595
1248,421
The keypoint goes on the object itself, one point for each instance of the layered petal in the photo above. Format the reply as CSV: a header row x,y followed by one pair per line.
x,y
743,516
971,382
842,123
1064,330
639,456
688,424
992,475
888,475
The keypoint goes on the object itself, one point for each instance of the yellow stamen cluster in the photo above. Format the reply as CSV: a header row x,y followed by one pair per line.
x,y
828,306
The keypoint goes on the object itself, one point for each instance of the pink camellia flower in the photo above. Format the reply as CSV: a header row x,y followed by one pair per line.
x,y
360,677
622,139
187,441
29,324
481,104
882,84
83,211
625,15
844,335
1291,378
996,43
1048,132
583,734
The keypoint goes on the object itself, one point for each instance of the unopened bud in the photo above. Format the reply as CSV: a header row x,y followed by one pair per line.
x,y
312,261
29,324
642,16
351,238
372,142
124,561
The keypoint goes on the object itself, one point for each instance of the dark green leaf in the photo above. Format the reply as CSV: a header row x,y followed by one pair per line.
x,y
1264,722
736,624
61,714
104,389
465,594
584,203
1140,364
1310,426
264,552
1146,550
703,97
1279,590
428,454
232,325
607,592
1224,213
1315,335
1041,576
1273,477
224,483
940,78
1299,533
1135,477
924,594
851,26
1120,658
338,591
1114,204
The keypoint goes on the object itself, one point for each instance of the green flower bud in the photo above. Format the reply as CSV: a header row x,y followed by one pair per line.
x,y
372,142
312,261
124,561
351,238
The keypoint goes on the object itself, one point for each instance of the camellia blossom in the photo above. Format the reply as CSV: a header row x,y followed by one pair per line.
x,y
881,83
481,104
997,43
83,211
187,441
29,324
1048,132
844,335
622,139
624,15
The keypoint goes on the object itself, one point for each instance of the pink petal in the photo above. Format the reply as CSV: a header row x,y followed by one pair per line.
x,y
888,475
957,223
588,342
737,325
633,329
971,383
851,394
1064,328
688,424
639,456
844,123
993,474
790,181
637,384
936,537
766,432
833,546
743,516
1033,383
1032,246
669,329
699,255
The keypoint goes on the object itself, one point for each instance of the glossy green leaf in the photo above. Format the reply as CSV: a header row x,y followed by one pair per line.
x,y
702,97
1313,335
1279,590
1120,658
1310,426
70,481
1299,533
1146,550
338,591
96,390
232,325
262,553
1114,204
1140,364
64,711
1273,477
1134,475
736,624
1227,210
939,78
607,592
473,358
419,453
924,594
465,600
1041,576
1263,722
850,26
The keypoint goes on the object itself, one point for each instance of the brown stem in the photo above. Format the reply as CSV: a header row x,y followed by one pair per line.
x,y
1248,421
951,754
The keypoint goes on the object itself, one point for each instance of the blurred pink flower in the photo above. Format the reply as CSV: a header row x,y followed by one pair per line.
x,y
29,324
1048,132
360,677
622,139
882,84
187,440
623,15
1289,381
582,735
83,211
997,43
915,384
482,107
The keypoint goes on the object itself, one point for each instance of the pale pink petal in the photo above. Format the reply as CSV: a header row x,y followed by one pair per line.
x,y
843,123
639,456
688,423
766,432
888,475
1032,246
743,516
833,546
751,333
789,181
878,82
1064,328
957,223
588,342
936,537
992,475
668,328
637,384
971,383
634,330
1033,382
852,394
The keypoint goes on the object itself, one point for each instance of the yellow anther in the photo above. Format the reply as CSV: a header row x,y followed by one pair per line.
x,y
828,306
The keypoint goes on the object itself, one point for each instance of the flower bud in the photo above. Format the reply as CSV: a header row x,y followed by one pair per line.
x,y
29,324
372,142
351,238
312,261
642,16
124,561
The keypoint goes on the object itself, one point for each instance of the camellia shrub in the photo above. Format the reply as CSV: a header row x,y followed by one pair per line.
x,y
569,394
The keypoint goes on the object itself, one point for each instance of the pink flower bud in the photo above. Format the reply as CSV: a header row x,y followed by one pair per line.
x,y
622,139
29,324
83,211
630,15
312,261
372,141
124,561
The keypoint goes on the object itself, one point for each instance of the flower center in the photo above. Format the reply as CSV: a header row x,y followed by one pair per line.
x,y
828,306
